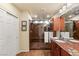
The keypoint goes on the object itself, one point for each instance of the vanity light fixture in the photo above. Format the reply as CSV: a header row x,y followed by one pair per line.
x,y
64,7
46,22
41,22
36,22
60,11
71,15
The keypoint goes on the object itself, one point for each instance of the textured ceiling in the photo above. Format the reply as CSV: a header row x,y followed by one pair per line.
x,y
39,9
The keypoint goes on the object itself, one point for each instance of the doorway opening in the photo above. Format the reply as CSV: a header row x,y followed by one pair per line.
x,y
36,34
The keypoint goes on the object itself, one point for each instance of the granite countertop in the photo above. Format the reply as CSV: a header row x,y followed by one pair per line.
x,y
69,46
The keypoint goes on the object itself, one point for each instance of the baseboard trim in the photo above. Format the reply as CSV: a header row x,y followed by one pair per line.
x,y
21,51
24,51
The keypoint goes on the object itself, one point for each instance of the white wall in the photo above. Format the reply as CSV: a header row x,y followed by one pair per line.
x,y
24,35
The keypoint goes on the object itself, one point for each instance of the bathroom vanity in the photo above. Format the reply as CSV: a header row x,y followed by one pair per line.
x,y
64,48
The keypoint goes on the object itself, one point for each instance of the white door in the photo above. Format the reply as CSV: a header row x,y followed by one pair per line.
x,y
9,34
3,41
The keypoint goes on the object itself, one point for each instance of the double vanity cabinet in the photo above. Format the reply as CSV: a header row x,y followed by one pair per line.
x,y
56,50
64,48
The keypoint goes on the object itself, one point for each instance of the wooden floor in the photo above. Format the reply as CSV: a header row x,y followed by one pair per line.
x,y
35,53
39,46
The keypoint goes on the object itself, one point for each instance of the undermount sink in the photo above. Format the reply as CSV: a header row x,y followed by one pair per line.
x,y
61,41
76,41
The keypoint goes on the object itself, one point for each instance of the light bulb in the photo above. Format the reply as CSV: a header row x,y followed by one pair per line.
x,y
35,22
48,16
46,22
60,11
41,21
64,8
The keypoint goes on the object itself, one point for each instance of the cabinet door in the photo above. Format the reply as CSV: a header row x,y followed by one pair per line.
x,y
12,35
64,53
9,34
3,40
55,49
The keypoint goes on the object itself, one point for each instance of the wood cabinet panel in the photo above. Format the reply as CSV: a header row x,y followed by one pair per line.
x,y
56,50
64,53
